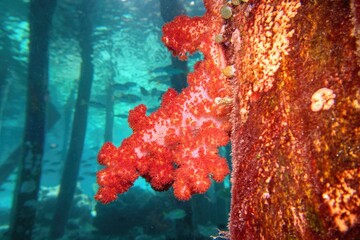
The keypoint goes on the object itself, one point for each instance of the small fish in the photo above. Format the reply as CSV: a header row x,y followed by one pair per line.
x,y
144,91
127,17
127,98
169,69
123,86
101,28
53,145
156,92
47,171
89,173
124,116
160,79
207,230
55,163
87,165
175,214
96,104
94,147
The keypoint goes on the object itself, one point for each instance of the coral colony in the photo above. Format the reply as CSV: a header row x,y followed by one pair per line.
x,y
178,144
284,85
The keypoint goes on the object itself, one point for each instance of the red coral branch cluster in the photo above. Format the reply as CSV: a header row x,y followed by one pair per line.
x,y
178,144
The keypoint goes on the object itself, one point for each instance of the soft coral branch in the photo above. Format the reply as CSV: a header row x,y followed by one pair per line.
x,y
178,144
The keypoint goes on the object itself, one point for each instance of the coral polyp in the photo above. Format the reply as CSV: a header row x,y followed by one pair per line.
x,y
322,99
226,12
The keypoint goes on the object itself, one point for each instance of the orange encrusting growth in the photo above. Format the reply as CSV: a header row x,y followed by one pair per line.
x,y
178,144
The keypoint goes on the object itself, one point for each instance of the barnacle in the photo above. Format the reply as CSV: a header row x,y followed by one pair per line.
x,y
225,100
322,99
219,38
226,12
235,2
229,71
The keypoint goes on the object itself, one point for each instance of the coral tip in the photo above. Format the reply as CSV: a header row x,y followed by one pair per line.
x,y
322,99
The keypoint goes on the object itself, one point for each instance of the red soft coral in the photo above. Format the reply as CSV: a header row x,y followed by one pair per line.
x,y
178,144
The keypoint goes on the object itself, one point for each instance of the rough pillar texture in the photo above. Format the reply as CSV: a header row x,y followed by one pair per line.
x,y
296,119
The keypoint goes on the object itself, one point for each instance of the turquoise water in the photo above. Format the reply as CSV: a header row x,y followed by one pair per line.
x,y
128,55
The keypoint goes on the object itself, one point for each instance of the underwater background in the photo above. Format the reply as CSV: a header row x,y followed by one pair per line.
x,y
129,66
